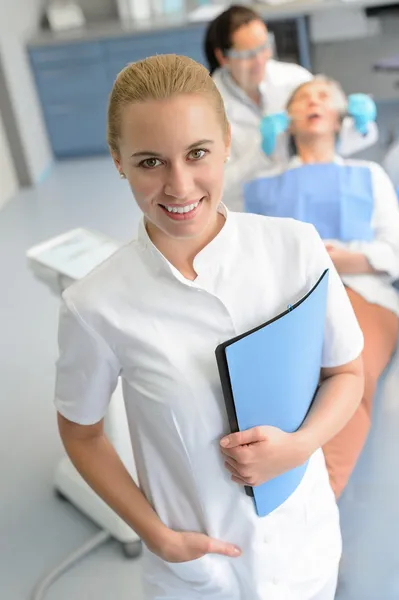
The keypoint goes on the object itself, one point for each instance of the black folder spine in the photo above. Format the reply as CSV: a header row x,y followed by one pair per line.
x,y
228,396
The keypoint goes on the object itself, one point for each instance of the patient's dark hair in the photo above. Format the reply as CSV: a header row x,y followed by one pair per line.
x,y
220,31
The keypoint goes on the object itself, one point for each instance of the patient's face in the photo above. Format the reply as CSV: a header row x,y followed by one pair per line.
x,y
315,110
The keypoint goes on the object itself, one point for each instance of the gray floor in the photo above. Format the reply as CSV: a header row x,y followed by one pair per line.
x,y
36,530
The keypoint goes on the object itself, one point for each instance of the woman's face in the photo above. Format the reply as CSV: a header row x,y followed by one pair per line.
x,y
248,55
314,112
172,153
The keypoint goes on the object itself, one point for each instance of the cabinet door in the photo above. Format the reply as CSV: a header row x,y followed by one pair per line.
x,y
77,129
47,56
72,82
73,87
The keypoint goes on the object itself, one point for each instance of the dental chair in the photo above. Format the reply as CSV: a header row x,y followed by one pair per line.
x,y
59,262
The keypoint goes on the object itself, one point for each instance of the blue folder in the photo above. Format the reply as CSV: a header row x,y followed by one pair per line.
x,y
270,376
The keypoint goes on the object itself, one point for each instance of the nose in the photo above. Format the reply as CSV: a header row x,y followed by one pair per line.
x,y
179,181
313,100
260,59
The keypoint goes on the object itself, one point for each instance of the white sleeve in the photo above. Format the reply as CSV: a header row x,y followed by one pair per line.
x,y
391,164
343,338
383,252
352,141
87,370
247,161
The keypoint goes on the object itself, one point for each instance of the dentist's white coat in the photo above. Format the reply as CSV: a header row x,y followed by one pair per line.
x,y
247,159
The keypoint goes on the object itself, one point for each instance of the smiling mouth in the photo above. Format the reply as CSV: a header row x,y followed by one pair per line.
x,y
182,212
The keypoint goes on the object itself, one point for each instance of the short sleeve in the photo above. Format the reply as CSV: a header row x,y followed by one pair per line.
x,y
343,338
87,370
383,251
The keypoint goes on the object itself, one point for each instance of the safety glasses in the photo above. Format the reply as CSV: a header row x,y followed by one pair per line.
x,y
248,54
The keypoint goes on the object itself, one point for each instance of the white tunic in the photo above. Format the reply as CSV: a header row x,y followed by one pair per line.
x,y
247,158
138,317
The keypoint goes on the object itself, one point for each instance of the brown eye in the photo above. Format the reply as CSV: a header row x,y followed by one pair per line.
x,y
197,154
150,163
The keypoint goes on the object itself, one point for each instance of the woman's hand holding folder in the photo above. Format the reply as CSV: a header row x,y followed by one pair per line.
x,y
257,455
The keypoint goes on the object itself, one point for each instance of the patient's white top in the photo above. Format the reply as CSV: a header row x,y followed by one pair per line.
x,y
137,317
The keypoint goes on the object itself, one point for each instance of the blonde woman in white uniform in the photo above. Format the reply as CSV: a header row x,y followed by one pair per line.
x,y
255,90
154,314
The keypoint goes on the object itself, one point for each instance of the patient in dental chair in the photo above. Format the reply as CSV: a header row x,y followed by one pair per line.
x,y
354,207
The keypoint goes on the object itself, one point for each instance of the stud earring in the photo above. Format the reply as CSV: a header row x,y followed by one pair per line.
x,y
122,175
226,160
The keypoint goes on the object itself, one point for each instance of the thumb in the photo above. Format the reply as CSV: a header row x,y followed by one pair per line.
x,y
219,547
242,438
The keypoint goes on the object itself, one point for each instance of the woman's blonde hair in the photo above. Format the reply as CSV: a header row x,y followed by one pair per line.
x,y
338,94
159,78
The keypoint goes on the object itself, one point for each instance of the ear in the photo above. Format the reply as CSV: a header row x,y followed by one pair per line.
x,y
228,139
338,126
220,57
117,162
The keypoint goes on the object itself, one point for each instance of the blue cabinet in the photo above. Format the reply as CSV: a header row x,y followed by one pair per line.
x,y
118,53
74,81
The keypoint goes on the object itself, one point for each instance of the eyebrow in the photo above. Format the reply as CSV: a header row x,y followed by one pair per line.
x,y
157,155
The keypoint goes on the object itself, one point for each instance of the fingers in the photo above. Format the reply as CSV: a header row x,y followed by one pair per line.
x,y
249,436
233,470
219,547
232,462
240,476
240,481
238,471
240,454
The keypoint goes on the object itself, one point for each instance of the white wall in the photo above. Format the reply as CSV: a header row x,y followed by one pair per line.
x,y
8,178
99,9
18,20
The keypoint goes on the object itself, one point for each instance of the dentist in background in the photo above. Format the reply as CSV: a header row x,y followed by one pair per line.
x,y
255,89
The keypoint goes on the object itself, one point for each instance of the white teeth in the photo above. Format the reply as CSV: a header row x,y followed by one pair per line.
x,y
182,209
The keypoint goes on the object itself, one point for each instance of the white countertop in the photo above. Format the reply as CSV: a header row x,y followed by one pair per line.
x,y
117,29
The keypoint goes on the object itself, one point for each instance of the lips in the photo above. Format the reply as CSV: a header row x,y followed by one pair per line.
x,y
314,116
182,212
180,208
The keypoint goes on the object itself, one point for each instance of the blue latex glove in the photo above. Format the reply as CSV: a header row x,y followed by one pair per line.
x,y
363,111
271,127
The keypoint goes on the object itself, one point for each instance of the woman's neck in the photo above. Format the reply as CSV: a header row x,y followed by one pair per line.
x,y
182,252
316,151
